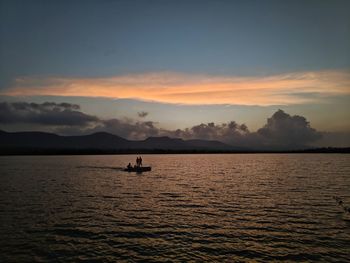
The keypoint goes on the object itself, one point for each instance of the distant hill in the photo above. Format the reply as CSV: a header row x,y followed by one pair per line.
x,y
106,143
212,145
26,142
42,140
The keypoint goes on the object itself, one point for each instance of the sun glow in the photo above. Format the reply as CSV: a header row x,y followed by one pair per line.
x,y
168,87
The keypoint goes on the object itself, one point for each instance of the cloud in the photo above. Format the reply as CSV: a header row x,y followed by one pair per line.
x,y
169,87
142,114
230,132
128,129
281,131
47,113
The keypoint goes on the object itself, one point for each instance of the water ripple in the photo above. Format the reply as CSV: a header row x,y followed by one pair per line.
x,y
190,208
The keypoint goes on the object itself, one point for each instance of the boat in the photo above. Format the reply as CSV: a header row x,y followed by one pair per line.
x,y
138,169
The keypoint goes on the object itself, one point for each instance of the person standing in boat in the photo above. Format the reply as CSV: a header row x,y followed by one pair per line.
x,y
140,161
137,161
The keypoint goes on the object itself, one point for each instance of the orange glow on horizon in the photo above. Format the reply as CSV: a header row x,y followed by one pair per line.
x,y
194,89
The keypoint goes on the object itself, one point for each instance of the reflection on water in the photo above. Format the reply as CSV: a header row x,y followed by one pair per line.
x,y
190,207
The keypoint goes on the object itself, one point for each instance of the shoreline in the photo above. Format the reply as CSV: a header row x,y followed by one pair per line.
x,y
30,151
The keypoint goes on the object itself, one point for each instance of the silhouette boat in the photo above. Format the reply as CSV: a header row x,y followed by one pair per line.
x,y
138,169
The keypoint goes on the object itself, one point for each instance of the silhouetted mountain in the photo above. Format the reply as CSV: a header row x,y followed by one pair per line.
x,y
164,143
106,143
101,141
42,140
203,144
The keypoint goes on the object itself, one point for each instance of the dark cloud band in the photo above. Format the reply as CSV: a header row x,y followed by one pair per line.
x,y
47,113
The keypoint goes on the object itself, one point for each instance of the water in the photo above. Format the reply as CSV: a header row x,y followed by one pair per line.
x,y
224,208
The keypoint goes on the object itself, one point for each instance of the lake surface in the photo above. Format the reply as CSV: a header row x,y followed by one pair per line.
x,y
224,208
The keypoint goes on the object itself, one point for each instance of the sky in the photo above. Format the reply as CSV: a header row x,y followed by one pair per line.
x,y
176,64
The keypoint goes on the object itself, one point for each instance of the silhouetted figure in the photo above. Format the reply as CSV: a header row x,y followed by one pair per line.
x,y
137,161
129,166
140,160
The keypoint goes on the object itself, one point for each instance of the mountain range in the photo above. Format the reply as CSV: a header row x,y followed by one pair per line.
x,y
101,141
14,143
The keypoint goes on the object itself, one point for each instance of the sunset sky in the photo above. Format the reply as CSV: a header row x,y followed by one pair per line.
x,y
176,64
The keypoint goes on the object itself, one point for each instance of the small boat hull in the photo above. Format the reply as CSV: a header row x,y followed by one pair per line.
x,y
138,169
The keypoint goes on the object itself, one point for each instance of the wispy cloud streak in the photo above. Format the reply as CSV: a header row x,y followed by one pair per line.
x,y
168,87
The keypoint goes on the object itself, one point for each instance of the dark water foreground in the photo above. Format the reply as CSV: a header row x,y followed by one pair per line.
x,y
224,208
